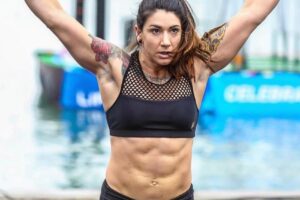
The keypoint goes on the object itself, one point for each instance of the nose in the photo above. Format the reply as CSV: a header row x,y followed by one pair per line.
x,y
165,42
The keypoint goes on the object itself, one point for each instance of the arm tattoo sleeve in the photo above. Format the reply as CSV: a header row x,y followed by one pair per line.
x,y
213,38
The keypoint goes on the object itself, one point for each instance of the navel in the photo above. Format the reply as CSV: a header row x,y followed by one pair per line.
x,y
154,183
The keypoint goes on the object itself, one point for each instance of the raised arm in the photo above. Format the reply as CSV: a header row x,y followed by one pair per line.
x,y
225,41
92,53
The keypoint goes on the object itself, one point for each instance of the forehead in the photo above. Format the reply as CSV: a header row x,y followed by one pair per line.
x,y
163,18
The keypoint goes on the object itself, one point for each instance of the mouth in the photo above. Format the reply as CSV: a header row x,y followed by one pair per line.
x,y
165,54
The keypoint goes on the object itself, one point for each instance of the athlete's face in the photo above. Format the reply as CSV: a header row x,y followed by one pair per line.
x,y
160,36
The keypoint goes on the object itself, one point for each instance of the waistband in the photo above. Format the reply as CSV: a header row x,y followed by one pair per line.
x,y
107,193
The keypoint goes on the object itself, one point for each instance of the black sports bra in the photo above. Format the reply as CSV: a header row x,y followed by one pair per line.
x,y
146,109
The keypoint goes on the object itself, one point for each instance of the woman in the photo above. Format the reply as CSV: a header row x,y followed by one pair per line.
x,y
152,96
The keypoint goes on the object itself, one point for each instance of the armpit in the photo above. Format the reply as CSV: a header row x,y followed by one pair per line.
x,y
213,38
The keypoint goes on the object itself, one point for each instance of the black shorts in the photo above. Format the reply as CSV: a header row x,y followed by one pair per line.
x,y
107,193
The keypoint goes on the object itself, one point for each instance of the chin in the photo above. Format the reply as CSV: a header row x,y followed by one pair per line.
x,y
164,62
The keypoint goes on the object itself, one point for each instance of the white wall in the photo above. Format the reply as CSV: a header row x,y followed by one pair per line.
x,y
21,35
210,14
118,11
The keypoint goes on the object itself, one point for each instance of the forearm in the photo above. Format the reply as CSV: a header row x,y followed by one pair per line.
x,y
258,10
45,10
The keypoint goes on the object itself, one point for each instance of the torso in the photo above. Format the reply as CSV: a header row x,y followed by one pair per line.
x,y
149,168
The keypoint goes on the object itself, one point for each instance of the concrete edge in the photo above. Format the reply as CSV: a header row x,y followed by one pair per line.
x,y
231,195
94,195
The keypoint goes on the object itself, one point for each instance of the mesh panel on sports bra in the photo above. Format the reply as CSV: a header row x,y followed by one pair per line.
x,y
136,85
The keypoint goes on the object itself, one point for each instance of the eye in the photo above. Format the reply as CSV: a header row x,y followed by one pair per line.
x,y
175,30
155,31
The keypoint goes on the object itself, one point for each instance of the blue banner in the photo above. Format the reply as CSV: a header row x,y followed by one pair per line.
x,y
80,90
253,94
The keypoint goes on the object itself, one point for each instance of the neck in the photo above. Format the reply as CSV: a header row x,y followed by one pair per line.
x,y
152,70
156,80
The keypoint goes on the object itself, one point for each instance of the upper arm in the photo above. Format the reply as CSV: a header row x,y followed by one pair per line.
x,y
92,53
224,42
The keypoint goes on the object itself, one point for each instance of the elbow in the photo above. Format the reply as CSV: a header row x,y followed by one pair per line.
x,y
51,20
253,19
45,11
256,20
257,12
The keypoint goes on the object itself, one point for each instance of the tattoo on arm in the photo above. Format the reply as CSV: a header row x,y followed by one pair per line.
x,y
213,38
104,50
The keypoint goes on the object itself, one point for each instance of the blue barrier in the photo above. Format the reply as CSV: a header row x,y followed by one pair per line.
x,y
227,93
80,90
248,94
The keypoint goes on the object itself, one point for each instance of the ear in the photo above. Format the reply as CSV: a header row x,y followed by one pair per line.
x,y
138,34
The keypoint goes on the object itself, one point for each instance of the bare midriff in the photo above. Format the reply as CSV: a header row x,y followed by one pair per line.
x,y
150,168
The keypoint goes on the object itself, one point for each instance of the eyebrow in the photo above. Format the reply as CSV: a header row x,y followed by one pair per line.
x,y
157,26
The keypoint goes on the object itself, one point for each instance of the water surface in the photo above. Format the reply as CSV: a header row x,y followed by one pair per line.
x,y
49,148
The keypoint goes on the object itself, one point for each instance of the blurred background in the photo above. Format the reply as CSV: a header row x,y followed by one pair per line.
x,y
53,131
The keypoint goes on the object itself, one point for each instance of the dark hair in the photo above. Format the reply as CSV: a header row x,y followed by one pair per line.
x,y
190,45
